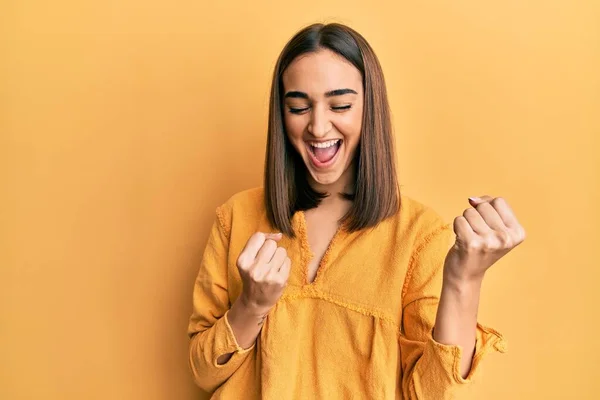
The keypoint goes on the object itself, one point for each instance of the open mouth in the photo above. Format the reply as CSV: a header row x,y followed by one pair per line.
x,y
324,154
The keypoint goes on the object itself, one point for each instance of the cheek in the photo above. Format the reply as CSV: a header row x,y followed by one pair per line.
x,y
350,127
294,126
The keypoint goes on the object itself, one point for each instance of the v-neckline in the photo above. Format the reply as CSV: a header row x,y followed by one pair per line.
x,y
307,254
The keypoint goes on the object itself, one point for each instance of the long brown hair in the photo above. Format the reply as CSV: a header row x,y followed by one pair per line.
x,y
286,185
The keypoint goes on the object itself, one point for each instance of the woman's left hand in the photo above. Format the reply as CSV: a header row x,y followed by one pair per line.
x,y
485,232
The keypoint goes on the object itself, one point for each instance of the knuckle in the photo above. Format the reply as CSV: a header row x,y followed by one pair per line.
x,y
521,234
259,277
242,262
505,239
484,205
281,281
468,211
253,275
498,200
474,245
489,243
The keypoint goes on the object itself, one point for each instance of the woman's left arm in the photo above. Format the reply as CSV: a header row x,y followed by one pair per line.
x,y
485,233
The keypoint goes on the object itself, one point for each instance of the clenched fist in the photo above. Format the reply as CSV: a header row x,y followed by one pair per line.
x,y
264,268
485,233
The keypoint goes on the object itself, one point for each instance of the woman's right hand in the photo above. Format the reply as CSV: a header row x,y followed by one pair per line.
x,y
264,268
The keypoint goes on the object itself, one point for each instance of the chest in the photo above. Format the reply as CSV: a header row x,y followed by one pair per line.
x,y
321,228
364,268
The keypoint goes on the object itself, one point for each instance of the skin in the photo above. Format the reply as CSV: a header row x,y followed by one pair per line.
x,y
485,232
319,116
312,113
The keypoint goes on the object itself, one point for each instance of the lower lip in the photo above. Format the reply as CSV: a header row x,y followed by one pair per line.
x,y
319,165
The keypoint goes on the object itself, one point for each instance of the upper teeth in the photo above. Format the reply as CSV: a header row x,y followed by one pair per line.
x,y
323,145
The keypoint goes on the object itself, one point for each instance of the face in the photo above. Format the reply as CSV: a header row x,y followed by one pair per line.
x,y
323,105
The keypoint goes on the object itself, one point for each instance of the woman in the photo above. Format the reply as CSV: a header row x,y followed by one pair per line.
x,y
341,303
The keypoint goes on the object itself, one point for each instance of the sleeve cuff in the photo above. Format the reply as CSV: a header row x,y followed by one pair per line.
x,y
487,340
228,344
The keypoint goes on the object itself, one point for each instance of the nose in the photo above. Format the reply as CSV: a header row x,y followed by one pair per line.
x,y
319,124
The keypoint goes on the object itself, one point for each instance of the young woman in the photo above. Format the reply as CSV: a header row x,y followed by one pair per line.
x,y
364,293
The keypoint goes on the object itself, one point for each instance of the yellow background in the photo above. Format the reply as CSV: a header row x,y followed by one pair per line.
x,y
125,123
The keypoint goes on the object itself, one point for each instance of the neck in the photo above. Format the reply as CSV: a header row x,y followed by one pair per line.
x,y
345,184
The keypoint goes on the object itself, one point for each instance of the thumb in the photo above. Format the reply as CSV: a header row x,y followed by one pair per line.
x,y
475,201
274,236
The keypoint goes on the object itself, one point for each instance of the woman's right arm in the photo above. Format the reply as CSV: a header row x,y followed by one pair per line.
x,y
246,326
264,268
221,338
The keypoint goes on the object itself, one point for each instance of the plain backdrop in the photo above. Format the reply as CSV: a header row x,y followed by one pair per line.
x,y
123,124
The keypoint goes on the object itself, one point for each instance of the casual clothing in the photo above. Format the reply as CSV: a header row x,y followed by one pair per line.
x,y
361,330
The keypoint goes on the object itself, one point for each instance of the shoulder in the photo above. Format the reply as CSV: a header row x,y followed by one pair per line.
x,y
416,223
417,214
249,198
430,238
246,205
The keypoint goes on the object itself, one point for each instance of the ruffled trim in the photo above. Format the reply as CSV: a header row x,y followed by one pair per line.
x,y
313,293
306,253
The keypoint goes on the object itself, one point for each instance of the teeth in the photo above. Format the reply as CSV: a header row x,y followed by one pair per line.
x,y
324,145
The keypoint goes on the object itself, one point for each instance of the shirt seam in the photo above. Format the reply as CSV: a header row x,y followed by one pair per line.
x,y
222,224
412,262
361,309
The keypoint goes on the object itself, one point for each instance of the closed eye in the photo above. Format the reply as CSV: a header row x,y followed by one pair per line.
x,y
342,108
298,110
336,108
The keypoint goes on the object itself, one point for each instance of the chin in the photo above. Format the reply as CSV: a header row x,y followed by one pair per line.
x,y
325,178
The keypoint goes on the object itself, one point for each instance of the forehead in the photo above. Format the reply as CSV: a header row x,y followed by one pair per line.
x,y
318,72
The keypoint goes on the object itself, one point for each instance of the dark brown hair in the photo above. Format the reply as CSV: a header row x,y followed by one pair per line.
x,y
286,185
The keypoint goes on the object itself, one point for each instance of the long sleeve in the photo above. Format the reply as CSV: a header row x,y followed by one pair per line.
x,y
431,370
210,333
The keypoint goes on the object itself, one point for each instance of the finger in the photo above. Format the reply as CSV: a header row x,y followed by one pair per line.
x,y
505,211
462,229
274,236
266,252
250,251
272,268
263,260
475,201
491,216
476,221
257,240
278,258
284,271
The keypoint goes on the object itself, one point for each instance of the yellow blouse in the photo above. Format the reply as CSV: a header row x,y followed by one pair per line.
x,y
361,330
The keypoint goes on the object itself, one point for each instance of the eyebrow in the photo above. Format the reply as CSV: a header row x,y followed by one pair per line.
x,y
331,93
